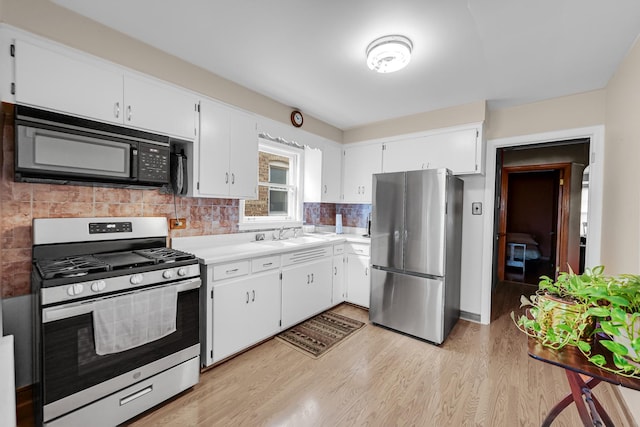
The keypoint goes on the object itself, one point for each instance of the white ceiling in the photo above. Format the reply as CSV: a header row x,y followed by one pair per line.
x,y
311,54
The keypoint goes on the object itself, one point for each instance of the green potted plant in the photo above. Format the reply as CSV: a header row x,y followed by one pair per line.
x,y
558,313
618,311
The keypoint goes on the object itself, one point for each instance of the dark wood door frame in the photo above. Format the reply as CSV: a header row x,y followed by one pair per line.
x,y
564,195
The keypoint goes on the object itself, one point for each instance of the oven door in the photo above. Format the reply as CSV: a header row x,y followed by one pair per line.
x,y
73,375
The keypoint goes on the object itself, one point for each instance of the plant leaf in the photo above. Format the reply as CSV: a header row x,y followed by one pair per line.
x,y
618,315
616,348
617,300
622,363
524,301
584,346
599,311
609,329
598,360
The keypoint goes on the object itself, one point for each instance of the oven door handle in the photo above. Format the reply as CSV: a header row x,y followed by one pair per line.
x,y
77,309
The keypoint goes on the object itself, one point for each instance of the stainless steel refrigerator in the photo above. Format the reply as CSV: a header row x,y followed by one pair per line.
x,y
416,242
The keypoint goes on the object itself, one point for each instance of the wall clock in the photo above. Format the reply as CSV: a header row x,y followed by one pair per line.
x,y
296,118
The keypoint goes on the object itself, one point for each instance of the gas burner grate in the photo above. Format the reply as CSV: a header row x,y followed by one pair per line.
x,y
70,266
162,255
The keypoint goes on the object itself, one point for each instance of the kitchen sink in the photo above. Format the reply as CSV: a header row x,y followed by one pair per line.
x,y
278,243
296,241
305,239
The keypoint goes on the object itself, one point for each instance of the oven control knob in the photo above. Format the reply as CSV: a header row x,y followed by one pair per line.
x,y
75,289
182,271
167,274
98,286
136,279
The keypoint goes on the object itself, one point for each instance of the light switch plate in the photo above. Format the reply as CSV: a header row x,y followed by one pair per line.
x,y
476,208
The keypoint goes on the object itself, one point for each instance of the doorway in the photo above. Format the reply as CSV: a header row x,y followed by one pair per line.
x,y
532,221
595,136
538,210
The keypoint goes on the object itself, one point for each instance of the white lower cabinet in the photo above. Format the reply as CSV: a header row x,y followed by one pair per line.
x,y
246,310
338,274
306,290
250,300
358,275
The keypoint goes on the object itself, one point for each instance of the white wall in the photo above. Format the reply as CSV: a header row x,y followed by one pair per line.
x,y
472,254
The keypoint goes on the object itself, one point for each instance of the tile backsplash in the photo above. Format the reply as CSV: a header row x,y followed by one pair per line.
x,y
21,202
353,215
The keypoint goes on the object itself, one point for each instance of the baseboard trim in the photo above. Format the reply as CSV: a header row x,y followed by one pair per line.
x,y
472,317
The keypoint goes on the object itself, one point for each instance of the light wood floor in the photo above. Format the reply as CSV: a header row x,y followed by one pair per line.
x,y
480,376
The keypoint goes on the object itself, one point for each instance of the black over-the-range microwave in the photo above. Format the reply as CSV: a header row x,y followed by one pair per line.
x,y
56,148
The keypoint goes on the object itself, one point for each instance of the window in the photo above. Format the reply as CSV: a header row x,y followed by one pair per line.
x,y
279,188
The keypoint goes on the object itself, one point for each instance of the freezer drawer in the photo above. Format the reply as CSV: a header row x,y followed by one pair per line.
x,y
409,304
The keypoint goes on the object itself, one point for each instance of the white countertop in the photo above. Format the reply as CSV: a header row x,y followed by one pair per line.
x,y
218,249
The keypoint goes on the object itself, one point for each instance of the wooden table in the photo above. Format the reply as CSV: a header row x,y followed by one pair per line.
x,y
576,366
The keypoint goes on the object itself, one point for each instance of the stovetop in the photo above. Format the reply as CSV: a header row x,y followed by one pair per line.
x,y
83,265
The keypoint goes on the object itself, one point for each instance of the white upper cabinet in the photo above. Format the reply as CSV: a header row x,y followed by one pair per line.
x,y
161,108
312,174
243,157
322,168
331,177
228,153
459,150
66,81
360,163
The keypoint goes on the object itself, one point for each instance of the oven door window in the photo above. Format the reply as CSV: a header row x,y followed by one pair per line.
x,y
72,365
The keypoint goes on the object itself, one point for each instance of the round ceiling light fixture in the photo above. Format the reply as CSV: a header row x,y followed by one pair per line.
x,y
389,53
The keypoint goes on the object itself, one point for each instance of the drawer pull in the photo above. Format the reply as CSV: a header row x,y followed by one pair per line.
x,y
235,270
267,264
136,395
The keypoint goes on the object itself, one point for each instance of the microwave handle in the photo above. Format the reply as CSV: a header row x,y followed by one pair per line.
x,y
134,161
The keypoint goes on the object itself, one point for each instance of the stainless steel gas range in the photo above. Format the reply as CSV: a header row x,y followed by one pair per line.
x,y
117,319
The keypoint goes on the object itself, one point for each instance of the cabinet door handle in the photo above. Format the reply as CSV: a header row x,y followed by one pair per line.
x,y
366,271
116,110
308,278
226,177
253,295
233,178
335,271
325,189
311,277
247,297
129,114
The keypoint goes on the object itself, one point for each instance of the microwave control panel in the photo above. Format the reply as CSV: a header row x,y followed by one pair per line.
x,y
153,163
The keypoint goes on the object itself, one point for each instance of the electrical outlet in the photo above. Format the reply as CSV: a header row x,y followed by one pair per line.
x,y
177,223
476,208
259,237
